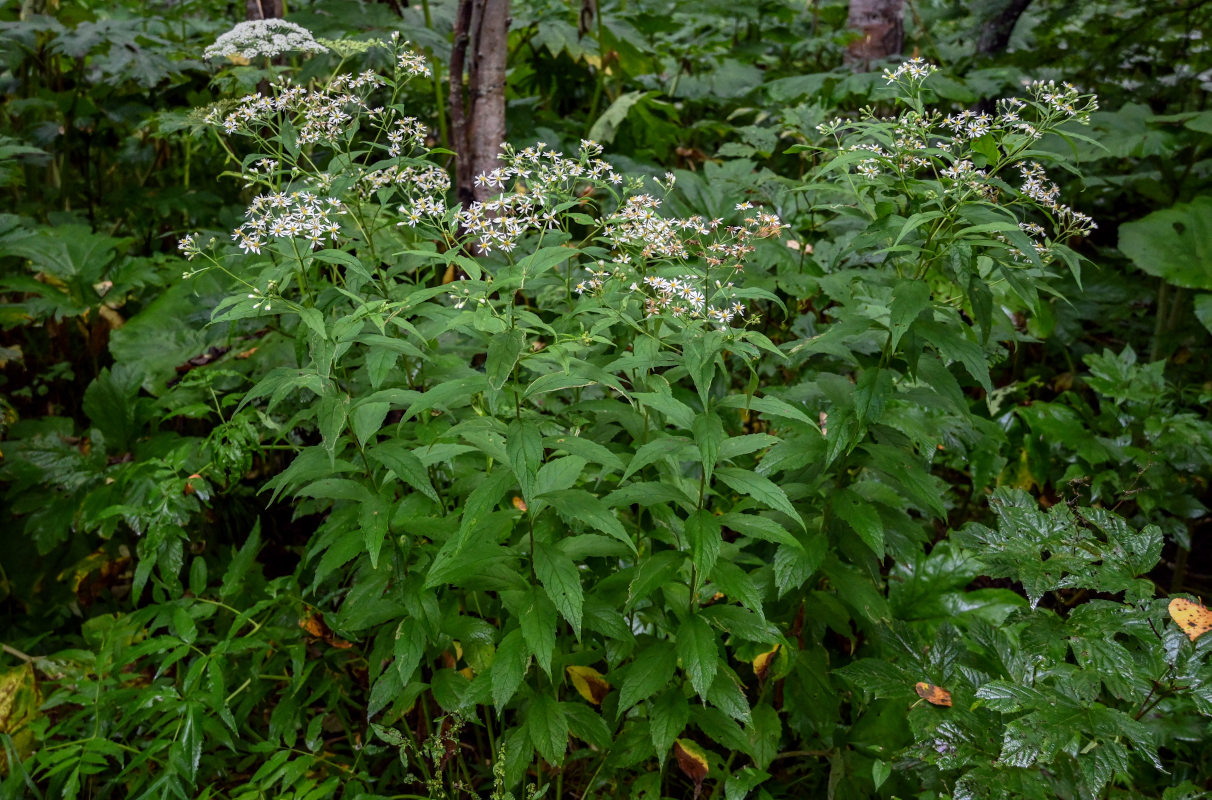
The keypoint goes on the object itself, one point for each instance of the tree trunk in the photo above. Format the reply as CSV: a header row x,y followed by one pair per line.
x,y
477,114
995,33
882,25
263,9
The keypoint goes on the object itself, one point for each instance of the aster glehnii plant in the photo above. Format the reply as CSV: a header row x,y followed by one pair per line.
x,y
342,166
967,168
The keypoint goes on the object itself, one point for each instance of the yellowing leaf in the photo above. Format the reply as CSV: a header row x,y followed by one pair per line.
x,y
1193,618
933,694
589,683
692,760
19,701
764,661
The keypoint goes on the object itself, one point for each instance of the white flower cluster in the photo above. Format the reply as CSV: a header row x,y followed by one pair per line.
x,y
637,226
321,115
286,216
1047,194
408,130
637,222
410,62
540,179
917,69
681,297
1064,98
429,179
264,37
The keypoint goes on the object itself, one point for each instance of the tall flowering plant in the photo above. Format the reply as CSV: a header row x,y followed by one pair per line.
x,y
968,184
518,420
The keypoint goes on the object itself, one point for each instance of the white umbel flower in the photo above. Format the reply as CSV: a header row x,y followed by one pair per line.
x,y
264,37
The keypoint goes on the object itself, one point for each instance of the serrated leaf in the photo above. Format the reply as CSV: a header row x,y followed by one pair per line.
x,y
698,651
405,464
503,352
578,505
652,669
863,519
548,729
703,535
587,725
408,648
524,446
667,718
538,622
793,566
749,483
508,668
653,572
726,695
561,581
709,436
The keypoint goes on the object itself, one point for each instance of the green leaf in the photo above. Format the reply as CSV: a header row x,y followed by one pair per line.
x,y
763,490
314,321
676,447
508,668
861,516
555,382
667,718
482,500
665,403
407,467
374,515
759,527
587,725
449,395
558,474
366,419
794,565
703,535
587,449
1174,244
709,436
548,728
561,581
241,564
903,469
651,670
503,352
699,653
652,572
1203,310
543,259
344,259
737,585
607,125
538,622
767,405
578,505
909,299
952,343
408,648
726,695
882,679
331,414
524,446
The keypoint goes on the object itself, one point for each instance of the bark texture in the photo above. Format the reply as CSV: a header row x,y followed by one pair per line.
x,y
263,9
477,111
882,25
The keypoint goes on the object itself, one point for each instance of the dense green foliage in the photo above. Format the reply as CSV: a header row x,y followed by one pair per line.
x,y
766,397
